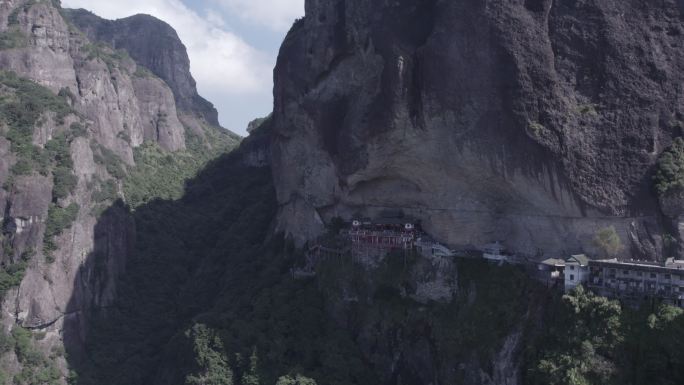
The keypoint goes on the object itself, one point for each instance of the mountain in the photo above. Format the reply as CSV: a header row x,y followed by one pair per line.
x,y
154,45
532,122
84,125
143,244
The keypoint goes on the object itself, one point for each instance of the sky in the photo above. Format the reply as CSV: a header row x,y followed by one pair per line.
x,y
232,44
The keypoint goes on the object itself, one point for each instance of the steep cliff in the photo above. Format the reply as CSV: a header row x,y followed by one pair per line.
x,y
79,121
132,253
155,45
535,122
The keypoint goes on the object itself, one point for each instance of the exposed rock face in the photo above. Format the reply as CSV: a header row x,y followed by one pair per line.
x,y
411,346
156,46
536,122
114,107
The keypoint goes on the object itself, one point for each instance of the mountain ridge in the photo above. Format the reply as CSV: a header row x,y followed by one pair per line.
x,y
153,44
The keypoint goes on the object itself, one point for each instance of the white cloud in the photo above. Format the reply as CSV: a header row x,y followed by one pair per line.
x,y
219,60
277,15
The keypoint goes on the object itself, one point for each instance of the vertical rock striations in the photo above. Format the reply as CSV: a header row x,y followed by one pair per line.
x,y
73,111
155,45
536,122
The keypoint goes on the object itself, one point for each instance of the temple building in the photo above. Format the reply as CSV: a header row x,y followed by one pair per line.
x,y
388,232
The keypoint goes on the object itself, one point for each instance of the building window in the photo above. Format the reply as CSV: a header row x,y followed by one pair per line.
x,y
639,274
653,275
572,277
625,272
667,276
572,267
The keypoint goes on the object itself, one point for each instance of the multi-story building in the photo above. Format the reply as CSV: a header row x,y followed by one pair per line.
x,y
576,271
633,281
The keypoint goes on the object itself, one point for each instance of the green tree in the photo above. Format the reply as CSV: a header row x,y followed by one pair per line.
x,y
252,375
295,380
608,241
59,219
653,352
670,171
581,342
212,366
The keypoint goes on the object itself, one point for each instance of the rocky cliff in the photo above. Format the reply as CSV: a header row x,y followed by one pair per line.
x,y
81,115
535,122
155,45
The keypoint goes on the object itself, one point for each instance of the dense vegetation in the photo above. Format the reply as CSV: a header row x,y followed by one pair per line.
x,y
23,107
208,298
58,220
107,158
37,368
23,104
13,37
183,249
670,171
12,273
590,340
608,241
112,58
26,106
159,174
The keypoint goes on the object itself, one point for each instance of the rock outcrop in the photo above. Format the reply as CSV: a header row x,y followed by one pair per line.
x,y
73,111
535,122
155,45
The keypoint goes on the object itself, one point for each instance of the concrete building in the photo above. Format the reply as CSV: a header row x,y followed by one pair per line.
x,y
576,271
428,247
552,268
495,252
634,281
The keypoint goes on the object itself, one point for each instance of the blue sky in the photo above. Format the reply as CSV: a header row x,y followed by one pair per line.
x,y
232,44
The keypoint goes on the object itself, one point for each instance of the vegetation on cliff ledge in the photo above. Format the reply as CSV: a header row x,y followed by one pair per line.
x,y
208,298
13,37
670,171
590,340
36,367
23,105
159,174
58,220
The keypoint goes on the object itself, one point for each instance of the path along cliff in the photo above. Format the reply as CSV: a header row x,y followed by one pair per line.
x,y
537,122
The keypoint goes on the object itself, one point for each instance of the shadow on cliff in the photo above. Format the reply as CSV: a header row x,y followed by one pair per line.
x,y
155,268
194,291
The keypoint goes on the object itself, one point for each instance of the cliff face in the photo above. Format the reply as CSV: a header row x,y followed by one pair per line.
x,y
536,122
155,45
73,114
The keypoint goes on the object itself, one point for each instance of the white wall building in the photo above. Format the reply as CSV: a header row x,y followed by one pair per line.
x,y
495,252
576,271
430,248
